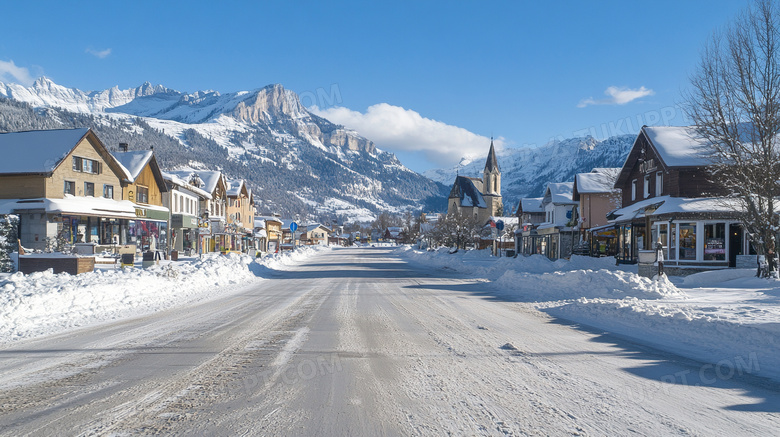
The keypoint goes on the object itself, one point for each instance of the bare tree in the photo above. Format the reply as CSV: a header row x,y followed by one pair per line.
x,y
735,104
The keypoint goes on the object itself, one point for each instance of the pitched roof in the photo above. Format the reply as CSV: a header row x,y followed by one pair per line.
x,y
37,151
559,193
531,205
679,146
134,161
492,162
465,190
183,180
599,180
234,187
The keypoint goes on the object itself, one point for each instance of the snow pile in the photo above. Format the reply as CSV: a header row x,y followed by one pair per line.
x,y
583,283
537,278
686,331
45,303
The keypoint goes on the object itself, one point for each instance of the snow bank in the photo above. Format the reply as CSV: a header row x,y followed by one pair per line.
x,y
583,283
538,278
46,303
684,331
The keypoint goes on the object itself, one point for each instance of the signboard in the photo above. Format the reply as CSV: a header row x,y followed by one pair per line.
x,y
293,226
500,225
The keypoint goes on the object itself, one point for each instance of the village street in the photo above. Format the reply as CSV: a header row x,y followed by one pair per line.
x,y
359,342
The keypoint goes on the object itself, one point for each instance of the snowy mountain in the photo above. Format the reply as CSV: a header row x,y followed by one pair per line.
x,y
526,171
296,162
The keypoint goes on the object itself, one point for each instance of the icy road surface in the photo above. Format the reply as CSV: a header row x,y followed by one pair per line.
x,y
358,342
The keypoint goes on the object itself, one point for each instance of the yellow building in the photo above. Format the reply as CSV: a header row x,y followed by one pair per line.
x,y
66,188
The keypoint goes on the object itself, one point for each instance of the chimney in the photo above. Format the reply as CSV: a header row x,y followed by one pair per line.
x,y
123,147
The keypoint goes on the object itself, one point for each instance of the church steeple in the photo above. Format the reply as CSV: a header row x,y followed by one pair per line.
x,y
492,162
492,173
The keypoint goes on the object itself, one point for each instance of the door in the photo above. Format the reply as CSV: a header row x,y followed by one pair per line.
x,y
736,243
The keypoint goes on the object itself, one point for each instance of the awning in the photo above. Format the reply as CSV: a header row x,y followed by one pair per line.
x,y
74,205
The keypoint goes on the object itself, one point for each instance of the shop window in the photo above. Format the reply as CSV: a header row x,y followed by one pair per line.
x,y
687,241
70,188
142,194
108,191
715,242
659,183
673,241
89,189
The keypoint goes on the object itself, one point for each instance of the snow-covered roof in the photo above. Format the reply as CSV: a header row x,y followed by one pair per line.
x,y
466,190
599,180
76,205
679,146
559,193
269,219
133,161
532,204
663,205
234,187
177,180
37,151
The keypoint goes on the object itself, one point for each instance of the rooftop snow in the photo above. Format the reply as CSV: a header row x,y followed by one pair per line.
x,y
678,146
560,193
76,205
600,180
37,151
133,161
532,204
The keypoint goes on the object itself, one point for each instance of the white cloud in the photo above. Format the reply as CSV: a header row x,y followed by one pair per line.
x,y
102,54
617,96
394,128
10,72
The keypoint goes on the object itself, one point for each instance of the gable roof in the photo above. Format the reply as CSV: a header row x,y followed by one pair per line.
x,y
135,161
530,205
599,180
675,146
465,190
178,180
492,162
559,193
235,187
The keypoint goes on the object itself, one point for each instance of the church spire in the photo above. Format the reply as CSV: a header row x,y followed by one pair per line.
x,y
492,162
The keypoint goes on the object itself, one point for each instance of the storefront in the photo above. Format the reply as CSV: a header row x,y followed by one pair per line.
x,y
184,232
150,228
603,240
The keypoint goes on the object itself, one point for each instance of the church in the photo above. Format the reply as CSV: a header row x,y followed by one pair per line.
x,y
478,197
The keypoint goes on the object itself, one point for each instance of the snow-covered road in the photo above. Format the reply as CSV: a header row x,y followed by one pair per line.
x,y
359,342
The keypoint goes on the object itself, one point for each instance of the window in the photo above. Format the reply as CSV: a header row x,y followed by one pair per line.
x,y
633,189
715,242
89,189
687,241
70,188
181,204
647,186
659,183
86,165
142,194
108,191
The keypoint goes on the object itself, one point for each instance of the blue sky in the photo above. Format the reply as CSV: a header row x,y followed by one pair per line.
x,y
428,80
